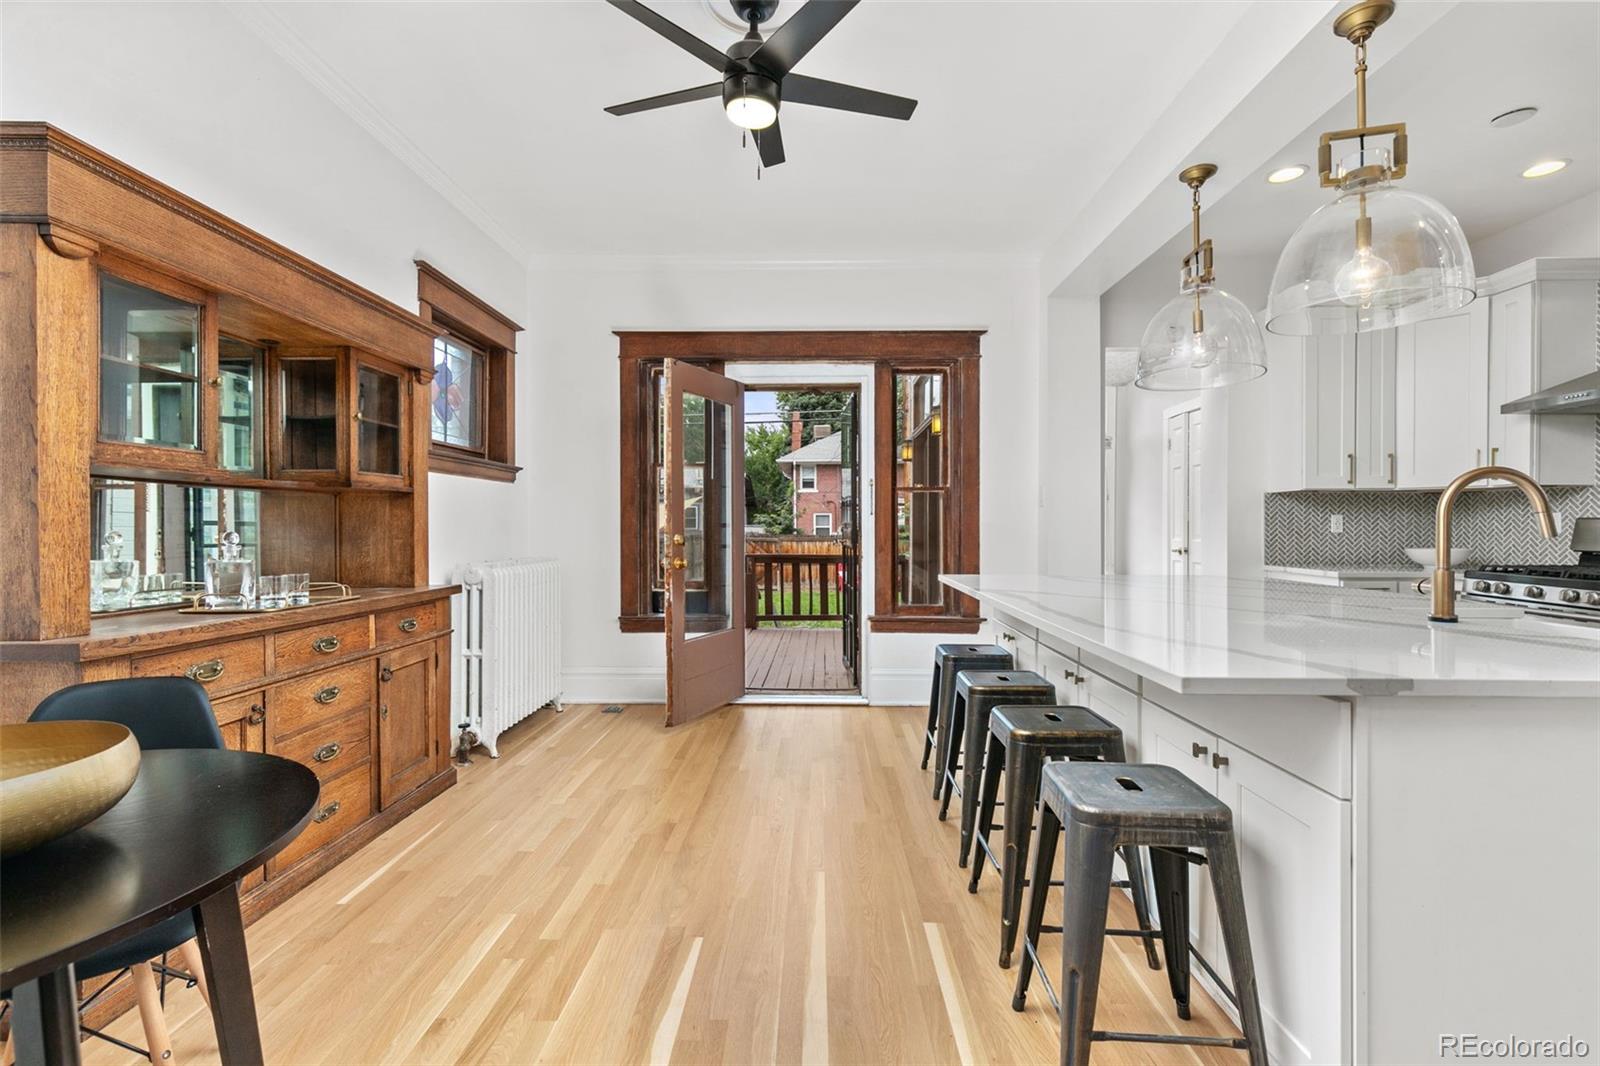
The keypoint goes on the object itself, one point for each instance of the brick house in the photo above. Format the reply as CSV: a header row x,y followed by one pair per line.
x,y
814,473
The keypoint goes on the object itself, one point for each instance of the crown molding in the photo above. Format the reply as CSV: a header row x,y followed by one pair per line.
x,y
273,31
623,261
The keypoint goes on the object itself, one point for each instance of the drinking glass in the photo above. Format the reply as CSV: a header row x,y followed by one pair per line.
x,y
298,590
269,590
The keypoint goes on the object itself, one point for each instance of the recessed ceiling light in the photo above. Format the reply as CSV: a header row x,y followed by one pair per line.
x,y
1516,116
1286,174
1546,168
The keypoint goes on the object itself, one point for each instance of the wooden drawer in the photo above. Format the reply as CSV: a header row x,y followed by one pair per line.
x,y
414,621
297,648
216,666
246,705
316,698
344,803
333,748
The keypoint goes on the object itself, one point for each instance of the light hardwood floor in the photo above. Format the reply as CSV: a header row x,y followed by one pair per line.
x,y
769,884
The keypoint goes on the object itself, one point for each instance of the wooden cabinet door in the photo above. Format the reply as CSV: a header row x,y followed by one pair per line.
x,y
1376,464
243,721
381,441
1294,856
407,728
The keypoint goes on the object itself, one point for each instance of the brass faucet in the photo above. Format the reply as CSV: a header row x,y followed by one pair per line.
x,y
1444,582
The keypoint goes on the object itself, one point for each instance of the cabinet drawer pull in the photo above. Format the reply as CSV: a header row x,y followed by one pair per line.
x,y
327,695
325,645
1218,761
1350,458
386,674
209,670
328,752
258,714
1198,750
1494,456
408,625
1392,478
327,812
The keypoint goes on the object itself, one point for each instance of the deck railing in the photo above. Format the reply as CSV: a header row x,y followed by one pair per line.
x,y
783,587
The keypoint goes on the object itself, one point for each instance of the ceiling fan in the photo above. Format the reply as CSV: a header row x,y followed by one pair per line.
x,y
756,73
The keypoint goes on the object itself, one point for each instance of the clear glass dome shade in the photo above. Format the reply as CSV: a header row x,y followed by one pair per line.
x,y
1376,257
1228,349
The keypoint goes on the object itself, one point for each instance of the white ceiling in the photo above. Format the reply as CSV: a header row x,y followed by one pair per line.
x,y
1479,60
1025,107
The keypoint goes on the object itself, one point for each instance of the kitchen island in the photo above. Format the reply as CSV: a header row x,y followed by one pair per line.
x,y
1417,804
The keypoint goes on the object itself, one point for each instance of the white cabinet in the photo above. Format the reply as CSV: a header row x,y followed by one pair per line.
x,y
1328,407
1020,640
1442,397
1294,853
1375,460
1334,400
1541,333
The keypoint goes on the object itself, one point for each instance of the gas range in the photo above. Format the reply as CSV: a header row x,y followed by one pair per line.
x,y
1572,591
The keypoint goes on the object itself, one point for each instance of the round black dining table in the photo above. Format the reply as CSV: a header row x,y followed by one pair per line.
x,y
194,823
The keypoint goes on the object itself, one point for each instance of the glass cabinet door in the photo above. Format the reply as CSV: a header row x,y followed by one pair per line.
x,y
239,374
308,417
380,422
150,367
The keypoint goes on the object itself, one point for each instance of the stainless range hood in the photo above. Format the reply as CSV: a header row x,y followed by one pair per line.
x,y
1580,396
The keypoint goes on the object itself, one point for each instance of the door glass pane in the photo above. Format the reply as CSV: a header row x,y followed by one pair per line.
x,y
919,548
149,366
311,414
239,370
707,432
457,394
378,408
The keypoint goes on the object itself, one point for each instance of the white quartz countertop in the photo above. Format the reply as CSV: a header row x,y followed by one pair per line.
x,y
1352,573
1269,637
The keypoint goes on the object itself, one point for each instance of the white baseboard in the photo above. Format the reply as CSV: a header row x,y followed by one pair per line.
x,y
898,688
614,684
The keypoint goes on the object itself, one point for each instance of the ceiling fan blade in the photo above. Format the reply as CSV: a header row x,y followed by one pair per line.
x,y
770,142
819,92
790,42
672,32
682,96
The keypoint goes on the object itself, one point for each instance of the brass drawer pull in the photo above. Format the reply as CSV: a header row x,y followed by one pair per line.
x,y
1198,750
209,670
408,625
1218,761
327,695
258,714
325,645
328,752
327,812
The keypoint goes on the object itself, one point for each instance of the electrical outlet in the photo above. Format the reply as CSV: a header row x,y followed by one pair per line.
x,y
1336,523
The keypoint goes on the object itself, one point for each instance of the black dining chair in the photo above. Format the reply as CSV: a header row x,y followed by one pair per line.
x,y
161,712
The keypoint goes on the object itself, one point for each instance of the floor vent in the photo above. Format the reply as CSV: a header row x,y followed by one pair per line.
x,y
611,708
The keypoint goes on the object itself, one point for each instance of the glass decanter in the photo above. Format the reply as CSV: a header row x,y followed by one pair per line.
x,y
113,580
230,577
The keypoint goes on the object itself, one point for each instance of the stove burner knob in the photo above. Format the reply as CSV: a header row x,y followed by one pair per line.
x,y
1480,586
1569,596
1501,588
1533,592
1592,599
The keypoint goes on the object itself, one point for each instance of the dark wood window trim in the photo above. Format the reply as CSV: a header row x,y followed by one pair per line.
x,y
456,312
955,352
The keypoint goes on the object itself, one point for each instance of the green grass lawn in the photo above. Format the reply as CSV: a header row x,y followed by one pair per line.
x,y
810,602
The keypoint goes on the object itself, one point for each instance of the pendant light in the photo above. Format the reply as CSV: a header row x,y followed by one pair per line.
x,y
1203,338
1377,256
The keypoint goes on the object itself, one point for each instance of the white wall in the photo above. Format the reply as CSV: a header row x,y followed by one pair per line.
x,y
230,124
568,399
1573,229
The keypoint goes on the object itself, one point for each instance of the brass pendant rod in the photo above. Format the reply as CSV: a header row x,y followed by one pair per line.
x,y
1194,208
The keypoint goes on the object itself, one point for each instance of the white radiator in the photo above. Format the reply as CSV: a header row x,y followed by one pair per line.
x,y
509,645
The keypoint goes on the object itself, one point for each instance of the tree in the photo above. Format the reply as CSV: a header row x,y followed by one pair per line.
x,y
774,506
814,408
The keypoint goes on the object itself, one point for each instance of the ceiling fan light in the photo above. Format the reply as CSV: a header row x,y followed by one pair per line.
x,y
750,100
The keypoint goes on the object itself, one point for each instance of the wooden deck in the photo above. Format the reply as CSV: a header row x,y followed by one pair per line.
x,y
795,660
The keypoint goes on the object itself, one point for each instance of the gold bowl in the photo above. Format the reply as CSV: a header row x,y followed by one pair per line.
x,y
58,776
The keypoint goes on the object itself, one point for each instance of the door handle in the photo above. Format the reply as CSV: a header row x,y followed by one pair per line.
x,y
678,563
677,538
1198,750
1391,468
386,674
1494,456
258,714
1218,761
1350,458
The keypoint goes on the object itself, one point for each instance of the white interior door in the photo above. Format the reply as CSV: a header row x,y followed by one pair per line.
x,y
1184,473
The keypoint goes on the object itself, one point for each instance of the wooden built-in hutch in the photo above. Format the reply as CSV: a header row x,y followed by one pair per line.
x,y
157,352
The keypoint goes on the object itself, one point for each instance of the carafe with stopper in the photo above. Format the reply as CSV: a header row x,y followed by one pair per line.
x,y
230,576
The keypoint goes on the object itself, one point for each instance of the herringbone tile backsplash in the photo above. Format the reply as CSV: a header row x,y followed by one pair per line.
x,y
1493,524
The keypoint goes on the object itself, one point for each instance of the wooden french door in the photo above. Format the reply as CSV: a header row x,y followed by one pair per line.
x,y
701,526
850,594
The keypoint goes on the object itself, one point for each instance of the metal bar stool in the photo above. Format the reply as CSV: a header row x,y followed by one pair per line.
x,y
1104,806
978,693
1021,741
948,661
